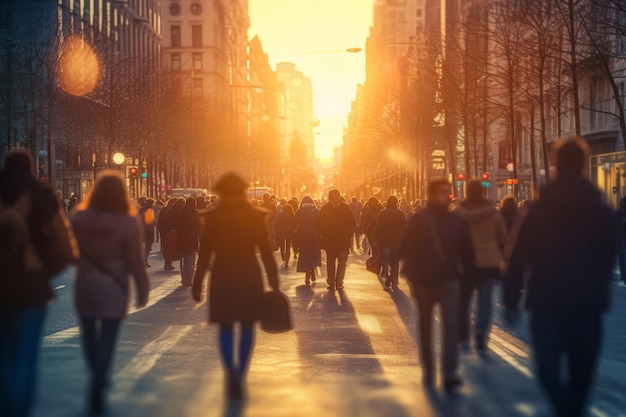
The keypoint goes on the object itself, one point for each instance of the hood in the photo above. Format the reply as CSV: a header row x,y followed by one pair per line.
x,y
476,213
102,224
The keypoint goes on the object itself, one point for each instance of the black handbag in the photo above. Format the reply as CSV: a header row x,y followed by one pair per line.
x,y
276,315
373,264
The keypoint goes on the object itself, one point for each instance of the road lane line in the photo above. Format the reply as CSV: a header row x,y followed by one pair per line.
x,y
157,294
146,359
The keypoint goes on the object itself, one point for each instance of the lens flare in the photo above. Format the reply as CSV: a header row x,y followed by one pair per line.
x,y
79,67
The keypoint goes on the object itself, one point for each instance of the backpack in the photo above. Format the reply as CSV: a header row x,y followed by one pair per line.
x,y
17,250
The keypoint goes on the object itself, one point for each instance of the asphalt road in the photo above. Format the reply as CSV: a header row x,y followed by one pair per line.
x,y
352,353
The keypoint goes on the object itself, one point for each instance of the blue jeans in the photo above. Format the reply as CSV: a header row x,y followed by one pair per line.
x,y
20,338
481,280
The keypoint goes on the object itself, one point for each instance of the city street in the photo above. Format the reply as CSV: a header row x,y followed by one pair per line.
x,y
352,353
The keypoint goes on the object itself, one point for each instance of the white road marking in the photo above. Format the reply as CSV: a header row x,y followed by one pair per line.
x,y
157,294
60,287
146,359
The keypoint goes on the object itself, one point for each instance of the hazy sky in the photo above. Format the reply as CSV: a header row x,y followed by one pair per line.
x,y
313,34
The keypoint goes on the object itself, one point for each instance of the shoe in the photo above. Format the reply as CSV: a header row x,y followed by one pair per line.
x,y
450,385
313,277
394,287
622,284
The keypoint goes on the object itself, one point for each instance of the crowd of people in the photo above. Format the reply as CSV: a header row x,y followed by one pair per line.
x,y
560,249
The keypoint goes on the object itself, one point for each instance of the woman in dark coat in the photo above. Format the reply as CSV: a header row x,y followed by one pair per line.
x,y
234,230
283,232
307,239
188,227
368,222
509,210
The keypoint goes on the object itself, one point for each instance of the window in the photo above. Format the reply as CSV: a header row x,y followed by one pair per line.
x,y
197,62
175,62
197,87
196,36
175,33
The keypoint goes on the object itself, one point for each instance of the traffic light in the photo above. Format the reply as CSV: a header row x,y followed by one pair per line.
x,y
144,173
486,176
132,172
461,177
42,169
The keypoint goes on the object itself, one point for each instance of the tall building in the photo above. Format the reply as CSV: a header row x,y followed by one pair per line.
x,y
299,120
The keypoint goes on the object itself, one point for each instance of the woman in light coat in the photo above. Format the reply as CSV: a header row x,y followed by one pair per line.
x,y
110,239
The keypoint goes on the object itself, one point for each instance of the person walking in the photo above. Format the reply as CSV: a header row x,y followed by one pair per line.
x,y
508,210
335,226
283,232
488,232
147,217
110,239
437,243
188,229
165,227
34,231
388,234
568,241
368,223
234,231
307,240
357,209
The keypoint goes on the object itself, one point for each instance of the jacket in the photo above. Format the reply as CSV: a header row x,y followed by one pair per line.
x,y
335,226
568,241
423,265
188,229
111,253
488,231
389,229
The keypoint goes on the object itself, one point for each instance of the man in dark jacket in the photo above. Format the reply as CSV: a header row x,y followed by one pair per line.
x,y
568,241
357,209
388,235
437,243
335,225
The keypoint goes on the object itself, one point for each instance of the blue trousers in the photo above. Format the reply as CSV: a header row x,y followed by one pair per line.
x,y
20,338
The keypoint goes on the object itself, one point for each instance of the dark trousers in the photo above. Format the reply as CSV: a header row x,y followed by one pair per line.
x,y
336,261
390,264
622,260
20,338
481,280
99,340
576,338
285,249
447,296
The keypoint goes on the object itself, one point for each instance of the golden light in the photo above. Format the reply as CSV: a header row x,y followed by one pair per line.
x,y
119,158
79,67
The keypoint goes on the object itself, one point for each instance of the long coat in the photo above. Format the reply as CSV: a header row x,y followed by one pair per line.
x,y
233,232
188,228
111,252
307,238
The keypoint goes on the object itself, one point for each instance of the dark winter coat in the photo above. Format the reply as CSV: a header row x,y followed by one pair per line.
x,y
283,227
422,260
188,229
234,231
18,291
368,222
307,239
569,240
389,229
335,226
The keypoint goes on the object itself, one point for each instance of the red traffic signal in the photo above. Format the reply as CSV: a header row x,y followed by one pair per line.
x,y
461,177
132,171
486,176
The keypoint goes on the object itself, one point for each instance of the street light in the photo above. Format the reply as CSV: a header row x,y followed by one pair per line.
x,y
119,158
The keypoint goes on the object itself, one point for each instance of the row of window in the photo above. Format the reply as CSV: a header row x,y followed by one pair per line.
x,y
176,37
176,61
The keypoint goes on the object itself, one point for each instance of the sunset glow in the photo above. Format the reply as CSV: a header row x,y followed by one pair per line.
x,y
315,35
79,69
